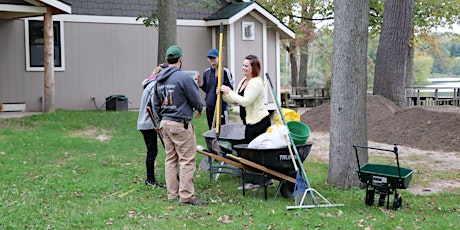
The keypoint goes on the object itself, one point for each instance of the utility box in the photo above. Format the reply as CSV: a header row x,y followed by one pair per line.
x,y
116,103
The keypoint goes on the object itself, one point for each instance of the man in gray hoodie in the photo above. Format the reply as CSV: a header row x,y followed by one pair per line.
x,y
176,98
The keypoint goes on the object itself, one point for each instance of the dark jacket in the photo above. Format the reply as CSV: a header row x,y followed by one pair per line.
x,y
210,84
177,95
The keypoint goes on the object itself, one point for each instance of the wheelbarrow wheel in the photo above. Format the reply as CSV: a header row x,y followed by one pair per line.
x,y
287,189
397,203
370,195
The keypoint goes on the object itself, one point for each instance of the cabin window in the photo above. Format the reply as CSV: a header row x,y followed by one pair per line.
x,y
248,31
35,44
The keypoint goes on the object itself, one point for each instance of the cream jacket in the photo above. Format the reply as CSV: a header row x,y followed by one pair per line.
x,y
253,99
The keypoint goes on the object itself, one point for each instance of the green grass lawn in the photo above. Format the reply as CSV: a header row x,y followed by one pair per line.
x,y
86,170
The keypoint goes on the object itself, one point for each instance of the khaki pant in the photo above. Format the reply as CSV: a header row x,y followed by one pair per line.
x,y
180,147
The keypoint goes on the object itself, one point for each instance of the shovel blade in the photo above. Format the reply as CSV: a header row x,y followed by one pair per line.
x,y
204,164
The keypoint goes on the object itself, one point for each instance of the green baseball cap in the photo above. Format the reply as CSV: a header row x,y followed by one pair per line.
x,y
173,52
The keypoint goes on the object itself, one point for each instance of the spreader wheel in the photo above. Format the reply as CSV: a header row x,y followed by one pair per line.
x,y
287,189
397,203
370,195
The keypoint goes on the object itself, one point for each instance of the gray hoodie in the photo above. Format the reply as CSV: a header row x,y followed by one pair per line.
x,y
176,95
143,120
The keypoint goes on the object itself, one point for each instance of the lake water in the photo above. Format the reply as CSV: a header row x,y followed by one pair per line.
x,y
446,86
444,82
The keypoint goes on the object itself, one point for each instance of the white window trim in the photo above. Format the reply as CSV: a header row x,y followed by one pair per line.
x,y
243,27
37,69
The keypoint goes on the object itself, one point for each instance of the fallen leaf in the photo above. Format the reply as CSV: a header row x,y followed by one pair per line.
x,y
361,222
224,219
110,222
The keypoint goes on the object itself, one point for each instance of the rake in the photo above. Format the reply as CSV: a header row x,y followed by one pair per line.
x,y
308,189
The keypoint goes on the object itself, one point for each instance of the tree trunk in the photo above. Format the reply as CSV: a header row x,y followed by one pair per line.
x,y
48,62
303,65
390,66
348,100
293,61
307,35
410,78
167,28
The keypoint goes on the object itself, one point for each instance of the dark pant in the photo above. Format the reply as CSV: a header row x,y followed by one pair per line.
x,y
210,116
252,131
150,139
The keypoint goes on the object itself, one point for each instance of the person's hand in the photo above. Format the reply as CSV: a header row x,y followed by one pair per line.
x,y
198,79
198,115
225,89
157,70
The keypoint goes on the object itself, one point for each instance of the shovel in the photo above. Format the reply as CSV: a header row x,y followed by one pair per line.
x,y
155,125
219,82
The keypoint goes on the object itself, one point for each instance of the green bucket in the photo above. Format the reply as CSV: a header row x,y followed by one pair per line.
x,y
299,132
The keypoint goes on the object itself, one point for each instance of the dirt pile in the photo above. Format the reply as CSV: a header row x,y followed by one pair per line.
x,y
426,128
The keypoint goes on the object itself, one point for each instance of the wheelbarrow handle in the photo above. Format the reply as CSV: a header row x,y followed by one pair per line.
x,y
357,157
394,150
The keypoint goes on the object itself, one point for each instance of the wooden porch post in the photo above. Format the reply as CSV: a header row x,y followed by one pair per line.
x,y
48,62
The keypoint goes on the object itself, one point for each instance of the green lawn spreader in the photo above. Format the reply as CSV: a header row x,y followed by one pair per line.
x,y
383,179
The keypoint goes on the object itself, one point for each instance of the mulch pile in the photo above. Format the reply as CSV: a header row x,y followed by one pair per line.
x,y
426,128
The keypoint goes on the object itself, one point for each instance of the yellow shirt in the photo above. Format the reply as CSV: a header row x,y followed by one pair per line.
x,y
253,99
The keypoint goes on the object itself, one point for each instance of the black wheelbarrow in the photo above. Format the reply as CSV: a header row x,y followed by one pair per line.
x,y
383,179
229,135
277,161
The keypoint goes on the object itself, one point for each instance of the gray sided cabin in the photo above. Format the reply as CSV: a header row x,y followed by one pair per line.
x,y
102,50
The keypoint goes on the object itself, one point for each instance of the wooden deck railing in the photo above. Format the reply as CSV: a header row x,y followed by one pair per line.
x,y
305,97
432,96
310,91
415,96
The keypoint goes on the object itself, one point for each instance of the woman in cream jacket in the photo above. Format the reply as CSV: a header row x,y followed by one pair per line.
x,y
249,95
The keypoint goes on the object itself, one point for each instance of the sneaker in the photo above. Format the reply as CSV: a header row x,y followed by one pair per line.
x,y
249,186
154,183
271,183
194,202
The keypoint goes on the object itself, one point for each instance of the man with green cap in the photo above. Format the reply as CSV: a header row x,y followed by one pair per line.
x,y
176,99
